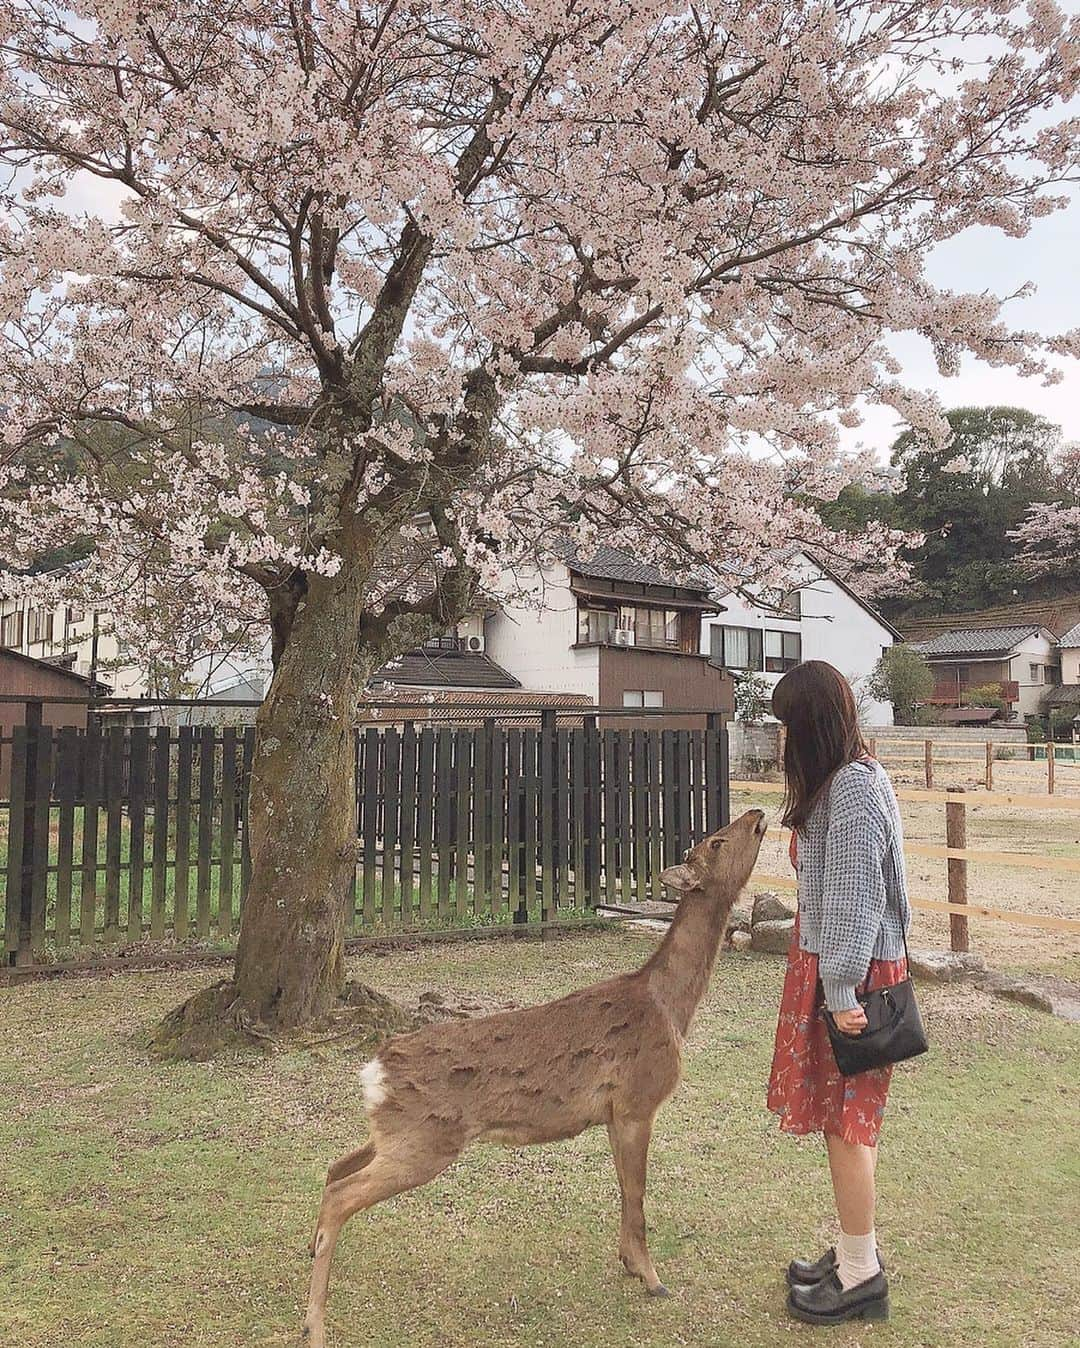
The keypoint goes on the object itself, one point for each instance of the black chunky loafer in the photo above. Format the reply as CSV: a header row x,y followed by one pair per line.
x,y
802,1273
826,1302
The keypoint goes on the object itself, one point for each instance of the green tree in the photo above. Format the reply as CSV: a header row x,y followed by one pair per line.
x,y
902,677
967,498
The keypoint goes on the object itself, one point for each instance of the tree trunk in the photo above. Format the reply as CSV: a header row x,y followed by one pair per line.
x,y
302,836
302,815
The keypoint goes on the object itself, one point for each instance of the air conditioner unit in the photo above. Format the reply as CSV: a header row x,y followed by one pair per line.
x,y
624,636
474,643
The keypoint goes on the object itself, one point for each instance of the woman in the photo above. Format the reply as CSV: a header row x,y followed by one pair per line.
x,y
847,848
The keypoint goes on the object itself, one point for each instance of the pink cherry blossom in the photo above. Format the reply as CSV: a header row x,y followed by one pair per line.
x,y
293,278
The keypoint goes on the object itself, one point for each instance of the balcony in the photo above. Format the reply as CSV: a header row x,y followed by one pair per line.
x,y
951,693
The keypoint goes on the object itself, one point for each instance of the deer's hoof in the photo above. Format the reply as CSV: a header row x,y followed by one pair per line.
x,y
659,1291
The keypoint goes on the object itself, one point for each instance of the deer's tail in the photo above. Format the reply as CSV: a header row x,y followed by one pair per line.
x,y
374,1084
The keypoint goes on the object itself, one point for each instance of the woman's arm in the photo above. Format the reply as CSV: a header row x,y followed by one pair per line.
x,y
853,893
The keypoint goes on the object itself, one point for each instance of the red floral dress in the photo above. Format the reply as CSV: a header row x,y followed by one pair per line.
x,y
805,1087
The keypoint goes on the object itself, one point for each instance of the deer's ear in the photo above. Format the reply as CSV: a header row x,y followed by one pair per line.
x,y
681,878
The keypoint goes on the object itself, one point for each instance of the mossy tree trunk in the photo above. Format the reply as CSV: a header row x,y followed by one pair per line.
x,y
302,814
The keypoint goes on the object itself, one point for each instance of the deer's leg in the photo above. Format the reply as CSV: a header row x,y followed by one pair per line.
x,y
630,1148
347,1165
359,1181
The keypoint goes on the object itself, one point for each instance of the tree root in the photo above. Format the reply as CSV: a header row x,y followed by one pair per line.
x,y
211,1022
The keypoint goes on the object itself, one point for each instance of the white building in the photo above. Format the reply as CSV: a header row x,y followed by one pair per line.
x,y
74,638
821,619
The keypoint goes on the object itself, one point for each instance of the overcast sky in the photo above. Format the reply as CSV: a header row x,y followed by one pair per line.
x,y
985,259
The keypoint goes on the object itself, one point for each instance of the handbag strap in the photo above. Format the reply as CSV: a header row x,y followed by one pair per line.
x,y
903,925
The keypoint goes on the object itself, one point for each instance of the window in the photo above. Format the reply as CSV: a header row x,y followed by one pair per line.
x,y
791,604
642,697
11,625
75,615
1053,674
783,650
737,647
597,624
1034,672
39,628
656,627
449,641
650,626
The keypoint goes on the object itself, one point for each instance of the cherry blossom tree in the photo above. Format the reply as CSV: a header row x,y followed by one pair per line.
x,y
455,276
1050,534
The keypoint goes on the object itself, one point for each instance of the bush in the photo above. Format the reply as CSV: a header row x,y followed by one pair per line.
x,y
927,716
753,697
986,695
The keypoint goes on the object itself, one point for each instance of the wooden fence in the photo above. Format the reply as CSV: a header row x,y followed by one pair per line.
x,y
120,834
959,855
1003,753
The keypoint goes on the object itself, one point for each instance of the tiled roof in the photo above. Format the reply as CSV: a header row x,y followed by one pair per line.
x,y
462,707
1071,637
976,641
606,563
1064,695
1057,615
444,669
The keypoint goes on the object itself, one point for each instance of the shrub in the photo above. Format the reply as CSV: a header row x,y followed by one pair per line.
x,y
752,698
986,695
903,678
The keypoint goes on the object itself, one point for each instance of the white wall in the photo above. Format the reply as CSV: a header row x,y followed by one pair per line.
x,y
833,626
536,644
115,667
1037,650
1070,664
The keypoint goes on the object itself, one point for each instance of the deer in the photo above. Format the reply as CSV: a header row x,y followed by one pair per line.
x,y
607,1054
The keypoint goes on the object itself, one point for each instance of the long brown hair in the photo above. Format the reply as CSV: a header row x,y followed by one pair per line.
x,y
816,704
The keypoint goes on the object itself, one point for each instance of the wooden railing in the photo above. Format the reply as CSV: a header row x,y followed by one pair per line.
x,y
949,693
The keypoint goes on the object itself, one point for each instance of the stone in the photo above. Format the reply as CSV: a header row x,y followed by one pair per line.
x,y
943,966
1052,996
773,938
741,917
740,940
770,907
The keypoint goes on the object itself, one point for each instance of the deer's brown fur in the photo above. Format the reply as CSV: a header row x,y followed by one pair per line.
x,y
607,1054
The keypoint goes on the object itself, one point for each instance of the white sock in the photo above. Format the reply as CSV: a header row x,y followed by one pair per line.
x,y
856,1259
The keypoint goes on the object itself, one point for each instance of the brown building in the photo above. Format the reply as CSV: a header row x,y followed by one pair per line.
x,y
34,682
614,630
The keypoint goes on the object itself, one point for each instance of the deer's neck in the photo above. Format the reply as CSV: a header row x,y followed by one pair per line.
x,y
679,972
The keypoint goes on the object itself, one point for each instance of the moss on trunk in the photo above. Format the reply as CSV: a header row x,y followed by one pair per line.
x,y
302,819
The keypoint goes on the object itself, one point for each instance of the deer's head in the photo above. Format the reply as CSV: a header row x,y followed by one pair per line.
x,y
720,864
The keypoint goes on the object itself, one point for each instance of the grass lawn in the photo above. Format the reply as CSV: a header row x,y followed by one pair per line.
x,y
150,1206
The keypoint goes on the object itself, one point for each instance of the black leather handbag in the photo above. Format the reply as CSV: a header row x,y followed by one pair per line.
x,y
894,1030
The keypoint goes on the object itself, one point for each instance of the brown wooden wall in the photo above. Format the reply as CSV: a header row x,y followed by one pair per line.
x,y
30,679
688,682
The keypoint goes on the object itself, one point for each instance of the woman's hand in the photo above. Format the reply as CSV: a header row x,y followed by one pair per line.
x,y
850,1022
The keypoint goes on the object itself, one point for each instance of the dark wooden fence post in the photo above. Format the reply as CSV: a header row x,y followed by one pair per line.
x,y
548,820
718,772
24,946
590,767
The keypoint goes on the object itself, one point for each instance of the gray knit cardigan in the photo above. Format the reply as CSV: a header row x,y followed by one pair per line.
x,y
853,902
